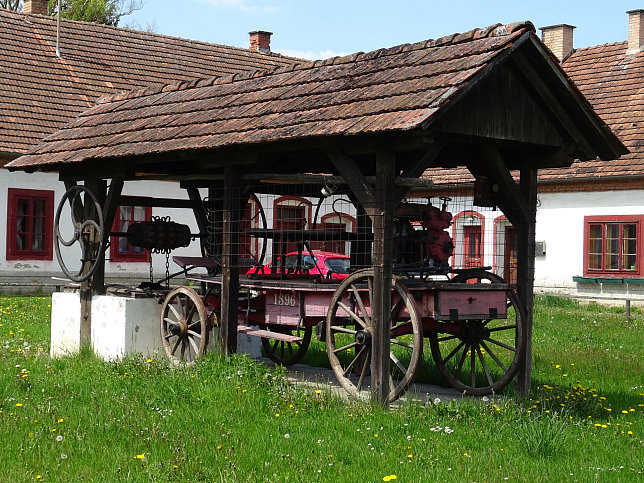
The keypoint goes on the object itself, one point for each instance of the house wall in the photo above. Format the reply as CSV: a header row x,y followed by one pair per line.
x,y
560,223
36,275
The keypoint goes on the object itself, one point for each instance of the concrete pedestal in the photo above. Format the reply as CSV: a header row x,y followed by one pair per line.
x,y
120,326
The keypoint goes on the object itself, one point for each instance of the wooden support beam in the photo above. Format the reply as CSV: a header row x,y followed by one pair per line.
x,y
358,183
417,169
128,200
110,204
382,268
232,194
511,201
93,285
201,217
525,273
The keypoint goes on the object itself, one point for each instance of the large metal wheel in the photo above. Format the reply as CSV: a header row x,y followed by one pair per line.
x,y
184,326
349,332
482,355
87,233
286,353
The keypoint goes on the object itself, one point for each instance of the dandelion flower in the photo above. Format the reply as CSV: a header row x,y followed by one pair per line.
x,y
59,438
63,456
18,405
140,456
61,420
287,436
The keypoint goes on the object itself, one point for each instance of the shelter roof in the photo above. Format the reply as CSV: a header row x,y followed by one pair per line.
x,y
39,92
388,90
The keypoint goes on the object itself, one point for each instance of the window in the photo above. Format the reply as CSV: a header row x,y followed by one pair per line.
x,y
120,249
291,213
612,245
30,224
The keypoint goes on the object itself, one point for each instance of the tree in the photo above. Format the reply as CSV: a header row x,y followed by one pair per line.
x,y
11,4
108,12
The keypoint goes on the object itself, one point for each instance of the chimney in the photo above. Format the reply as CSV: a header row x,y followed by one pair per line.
x,y
558,38
37,7
635,31
260,41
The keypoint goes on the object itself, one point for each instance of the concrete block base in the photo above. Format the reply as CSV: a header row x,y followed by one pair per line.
x,y
121,326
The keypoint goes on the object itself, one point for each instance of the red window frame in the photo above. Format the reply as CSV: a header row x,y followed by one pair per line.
x,y
14,251
595,248
303,211
117,254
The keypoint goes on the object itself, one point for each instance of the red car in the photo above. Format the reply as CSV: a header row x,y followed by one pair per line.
x,y
326,264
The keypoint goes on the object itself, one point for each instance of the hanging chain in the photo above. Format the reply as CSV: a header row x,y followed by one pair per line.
x,y
167,269
151,273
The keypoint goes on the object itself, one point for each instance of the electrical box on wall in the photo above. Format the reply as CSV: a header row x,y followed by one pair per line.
x,y
540,248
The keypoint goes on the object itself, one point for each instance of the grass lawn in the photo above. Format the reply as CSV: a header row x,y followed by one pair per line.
x,y
80,418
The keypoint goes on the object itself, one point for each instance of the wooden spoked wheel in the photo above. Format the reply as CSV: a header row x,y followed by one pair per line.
x,y
286,353
255,246
482,355
184,326
349,332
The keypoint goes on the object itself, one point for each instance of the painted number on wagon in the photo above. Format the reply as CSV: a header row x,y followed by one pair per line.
x,y
284,299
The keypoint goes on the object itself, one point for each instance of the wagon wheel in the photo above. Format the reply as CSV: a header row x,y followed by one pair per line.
x,y
286,353
184,326
259,218
349,332
484,356
88,233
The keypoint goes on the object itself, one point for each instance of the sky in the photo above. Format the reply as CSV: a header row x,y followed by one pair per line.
x,y
324,28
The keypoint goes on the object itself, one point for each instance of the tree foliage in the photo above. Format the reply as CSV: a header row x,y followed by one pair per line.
x,y
11,4
108,12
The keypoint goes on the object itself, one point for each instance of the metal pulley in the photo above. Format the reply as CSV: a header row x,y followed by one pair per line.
x,y
159,234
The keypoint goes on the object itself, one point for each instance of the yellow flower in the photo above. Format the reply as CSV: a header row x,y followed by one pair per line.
x,y
61,420
410,455
277,415
18,405
219,447
140,456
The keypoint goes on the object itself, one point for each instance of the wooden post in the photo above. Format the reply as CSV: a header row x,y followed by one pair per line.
x,y
525,273
90,287
382,268
229,256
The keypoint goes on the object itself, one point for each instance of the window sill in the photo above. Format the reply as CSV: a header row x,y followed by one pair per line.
x,y
608,280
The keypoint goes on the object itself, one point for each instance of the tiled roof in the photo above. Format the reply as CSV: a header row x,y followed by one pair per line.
x,y
613,83
385,90
39,92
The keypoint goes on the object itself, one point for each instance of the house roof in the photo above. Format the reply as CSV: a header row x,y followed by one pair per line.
x,y
613,83
388,90
40,92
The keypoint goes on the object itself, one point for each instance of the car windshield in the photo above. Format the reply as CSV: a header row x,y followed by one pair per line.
x,y
337,265
306,262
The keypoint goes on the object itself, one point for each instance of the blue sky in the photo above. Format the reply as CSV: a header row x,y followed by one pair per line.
x,y
323,28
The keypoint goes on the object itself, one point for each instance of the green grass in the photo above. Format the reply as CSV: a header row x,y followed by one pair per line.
x,y
80,418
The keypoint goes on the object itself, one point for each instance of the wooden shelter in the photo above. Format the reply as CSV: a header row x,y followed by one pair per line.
x,y
492,99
